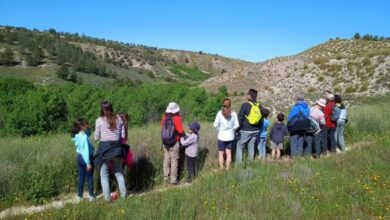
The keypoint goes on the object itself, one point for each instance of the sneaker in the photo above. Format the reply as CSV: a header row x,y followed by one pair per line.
x,y
91,198
78,199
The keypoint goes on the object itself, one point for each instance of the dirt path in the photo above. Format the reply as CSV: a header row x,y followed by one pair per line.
x,y
71,199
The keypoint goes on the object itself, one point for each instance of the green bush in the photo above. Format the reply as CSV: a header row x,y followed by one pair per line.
x,y
28,110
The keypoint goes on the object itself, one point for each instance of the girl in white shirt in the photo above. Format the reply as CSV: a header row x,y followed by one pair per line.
x,y
226,122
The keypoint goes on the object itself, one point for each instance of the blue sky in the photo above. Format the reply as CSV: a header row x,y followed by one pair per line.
x,y
249,30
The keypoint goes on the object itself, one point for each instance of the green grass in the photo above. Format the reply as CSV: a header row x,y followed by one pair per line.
x,y
188,73
354,185
32,74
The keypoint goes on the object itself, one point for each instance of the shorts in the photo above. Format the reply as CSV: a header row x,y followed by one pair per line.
x,y
223,145
276,146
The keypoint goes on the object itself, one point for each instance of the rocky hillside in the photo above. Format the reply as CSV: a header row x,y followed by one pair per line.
x,y
55,57
350,67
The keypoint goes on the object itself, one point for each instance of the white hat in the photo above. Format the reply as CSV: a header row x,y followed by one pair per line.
x,y
321,102
172,108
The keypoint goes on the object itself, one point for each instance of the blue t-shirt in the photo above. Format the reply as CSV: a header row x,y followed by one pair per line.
x,y
263,130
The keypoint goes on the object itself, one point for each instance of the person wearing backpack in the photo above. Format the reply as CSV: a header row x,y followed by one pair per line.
x,y
249,119
172,130
313,140
298,123
329,131
341,120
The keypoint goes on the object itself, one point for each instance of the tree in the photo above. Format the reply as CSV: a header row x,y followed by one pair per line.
x,y
356,36
34,59
62,72
7,57
52,31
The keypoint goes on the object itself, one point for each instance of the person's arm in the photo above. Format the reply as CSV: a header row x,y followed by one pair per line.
x,y
189,141
322,118
271,131
291,114
236,123
179,126
98,129
123,130
285,130
241,114
85,149
217,121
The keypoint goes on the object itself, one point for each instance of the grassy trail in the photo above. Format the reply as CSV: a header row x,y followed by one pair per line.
x,y
283,194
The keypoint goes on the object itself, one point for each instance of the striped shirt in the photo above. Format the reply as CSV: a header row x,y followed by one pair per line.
x,y
104,133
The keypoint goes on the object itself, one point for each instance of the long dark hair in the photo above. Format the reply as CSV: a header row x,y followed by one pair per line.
x,y
78,126
106,110
125,118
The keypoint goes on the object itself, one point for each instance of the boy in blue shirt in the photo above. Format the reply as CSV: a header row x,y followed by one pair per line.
x,y
263,134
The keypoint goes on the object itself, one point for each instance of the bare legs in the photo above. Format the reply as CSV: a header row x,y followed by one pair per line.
x,y
221,159
275,153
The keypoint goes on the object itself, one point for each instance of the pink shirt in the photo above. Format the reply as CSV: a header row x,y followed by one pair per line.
x,y
317,114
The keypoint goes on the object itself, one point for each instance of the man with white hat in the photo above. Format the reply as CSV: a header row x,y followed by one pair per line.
x,y
172,130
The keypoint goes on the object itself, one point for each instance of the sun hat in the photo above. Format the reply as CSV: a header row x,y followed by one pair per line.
x,y
321,102
194,126
172,108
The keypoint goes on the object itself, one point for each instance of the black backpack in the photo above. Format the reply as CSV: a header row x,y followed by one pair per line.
x,y
299,123
168,132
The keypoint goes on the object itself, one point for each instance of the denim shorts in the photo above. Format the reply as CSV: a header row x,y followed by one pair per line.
x,y
223,145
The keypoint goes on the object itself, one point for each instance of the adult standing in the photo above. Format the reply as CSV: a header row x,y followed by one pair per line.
x,y
341,120
328,135
109,129
226,122
298,122
171,120
314,140
249,119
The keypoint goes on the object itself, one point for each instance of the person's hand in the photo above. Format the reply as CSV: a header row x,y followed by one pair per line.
x,y
89,167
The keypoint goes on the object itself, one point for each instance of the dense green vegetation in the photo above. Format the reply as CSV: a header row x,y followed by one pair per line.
x,y
26,109
353,185
193,74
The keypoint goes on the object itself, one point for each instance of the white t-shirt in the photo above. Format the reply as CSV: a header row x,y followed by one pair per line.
x,y
226,127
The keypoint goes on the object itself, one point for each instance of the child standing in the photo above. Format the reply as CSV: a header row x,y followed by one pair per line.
x,y
80,137
277,134
191,152
263,134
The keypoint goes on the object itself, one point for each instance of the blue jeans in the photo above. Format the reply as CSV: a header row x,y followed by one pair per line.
x,y
84,174
261,147
249,139
104,175
313,142
339,136
296,144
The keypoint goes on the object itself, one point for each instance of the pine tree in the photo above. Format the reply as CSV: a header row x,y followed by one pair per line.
x,y
356,36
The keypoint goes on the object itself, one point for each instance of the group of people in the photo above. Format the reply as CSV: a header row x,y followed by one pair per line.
x,y
315,130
